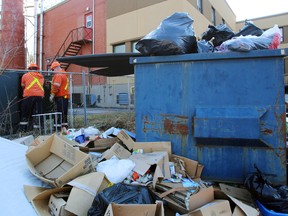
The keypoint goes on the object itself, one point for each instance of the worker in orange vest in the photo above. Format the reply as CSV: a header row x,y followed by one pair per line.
x,y
60,92
33,94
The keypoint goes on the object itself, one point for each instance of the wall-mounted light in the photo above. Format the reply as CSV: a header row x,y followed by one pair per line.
x,y
87,8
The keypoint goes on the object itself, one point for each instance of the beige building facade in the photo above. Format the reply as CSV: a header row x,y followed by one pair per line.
x,y
128,21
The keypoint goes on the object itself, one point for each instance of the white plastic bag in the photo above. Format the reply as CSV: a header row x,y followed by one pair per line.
x,y
91,131
270,39
116,170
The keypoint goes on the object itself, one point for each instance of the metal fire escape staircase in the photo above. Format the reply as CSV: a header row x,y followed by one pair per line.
x,y
73,44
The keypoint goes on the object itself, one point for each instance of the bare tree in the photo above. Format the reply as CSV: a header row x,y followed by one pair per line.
x,y
12,56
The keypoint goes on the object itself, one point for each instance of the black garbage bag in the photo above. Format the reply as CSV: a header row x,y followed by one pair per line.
x,y
175,35
249,29
121,194
272,197
220,34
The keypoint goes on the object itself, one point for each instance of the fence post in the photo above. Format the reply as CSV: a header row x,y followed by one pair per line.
x,y
84,97
71,101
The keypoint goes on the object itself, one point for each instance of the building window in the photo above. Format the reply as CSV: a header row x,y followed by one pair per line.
x,y
213,16
200,5
281,33
122,99
133,45
119,48
88,20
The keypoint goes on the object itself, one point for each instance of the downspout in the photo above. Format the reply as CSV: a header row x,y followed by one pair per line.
x,y
41,37
35,30
93,30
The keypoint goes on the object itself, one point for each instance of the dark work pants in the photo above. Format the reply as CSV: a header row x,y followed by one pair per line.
x,y
62,106
30,106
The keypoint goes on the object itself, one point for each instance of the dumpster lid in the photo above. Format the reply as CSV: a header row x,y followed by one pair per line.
x,y
107,64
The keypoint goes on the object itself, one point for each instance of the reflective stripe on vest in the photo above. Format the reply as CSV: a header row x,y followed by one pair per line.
x,y
35,80
66,86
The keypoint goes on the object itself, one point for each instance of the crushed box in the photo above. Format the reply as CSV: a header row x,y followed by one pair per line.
x,y
57,162
135,209
78,196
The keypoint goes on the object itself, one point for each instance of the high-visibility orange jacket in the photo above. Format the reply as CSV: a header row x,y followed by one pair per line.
x,y
60,85
32,84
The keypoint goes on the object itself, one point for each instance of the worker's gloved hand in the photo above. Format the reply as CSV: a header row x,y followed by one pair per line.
x,y
51,98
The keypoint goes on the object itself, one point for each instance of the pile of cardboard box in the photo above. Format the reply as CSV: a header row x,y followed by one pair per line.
x,y
71,172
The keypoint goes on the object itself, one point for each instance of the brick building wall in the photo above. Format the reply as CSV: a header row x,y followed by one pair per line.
x,y
60,20
12,35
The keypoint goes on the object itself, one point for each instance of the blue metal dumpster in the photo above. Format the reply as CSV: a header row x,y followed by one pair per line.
x,y
225,110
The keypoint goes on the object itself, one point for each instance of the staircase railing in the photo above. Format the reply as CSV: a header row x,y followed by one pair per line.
x,y
80,34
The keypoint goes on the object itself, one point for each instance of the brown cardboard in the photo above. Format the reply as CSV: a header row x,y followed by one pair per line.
x,y
243,208
215,208
144,161
27,140
191,166
57,162
116,150
126,139
84,191
56,206
135,209
238,212
99,145
80,196
149,147
238,193
40,201
204,196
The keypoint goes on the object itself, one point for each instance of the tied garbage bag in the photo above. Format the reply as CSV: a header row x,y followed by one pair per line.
x,y
249,29
175,35
220,34
272,197
270,39
121,194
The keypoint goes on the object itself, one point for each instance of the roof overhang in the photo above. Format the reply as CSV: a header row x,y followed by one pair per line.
x,y
107,64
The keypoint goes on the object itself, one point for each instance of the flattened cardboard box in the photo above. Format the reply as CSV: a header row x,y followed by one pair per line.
x,y
149,147
236,195
135,209
57,162
204,196
215,208
80,197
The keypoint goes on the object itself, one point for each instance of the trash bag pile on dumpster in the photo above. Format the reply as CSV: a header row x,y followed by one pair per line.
x,y
175,35
117,175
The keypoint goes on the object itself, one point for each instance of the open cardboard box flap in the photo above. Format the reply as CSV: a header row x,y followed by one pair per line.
x,y
56,162
238,196
146,160
135,209
82,191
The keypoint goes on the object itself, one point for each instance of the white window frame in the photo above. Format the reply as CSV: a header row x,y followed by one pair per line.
x,y
88,21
